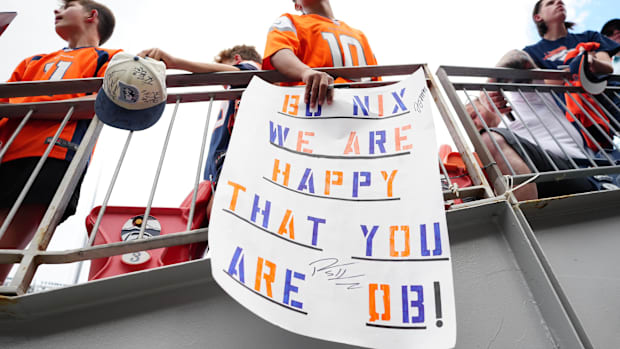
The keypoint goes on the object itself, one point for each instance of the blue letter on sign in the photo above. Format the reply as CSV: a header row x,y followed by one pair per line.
x,y
256,210
369,236
273,132
399,101
288,288
364,106
418,303
237,260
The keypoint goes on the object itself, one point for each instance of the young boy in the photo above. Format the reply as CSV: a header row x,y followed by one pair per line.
x,y
84,25
240,57
297,43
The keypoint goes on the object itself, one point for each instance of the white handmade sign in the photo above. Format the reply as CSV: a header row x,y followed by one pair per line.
x,y
329,222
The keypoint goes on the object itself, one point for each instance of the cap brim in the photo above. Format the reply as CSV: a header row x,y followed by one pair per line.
x,y
134,120
591,83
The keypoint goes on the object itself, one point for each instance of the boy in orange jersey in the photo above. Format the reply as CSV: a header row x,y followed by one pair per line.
x,y
85,25
297,43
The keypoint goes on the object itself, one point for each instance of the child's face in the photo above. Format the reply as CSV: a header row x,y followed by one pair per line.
x,y
69,18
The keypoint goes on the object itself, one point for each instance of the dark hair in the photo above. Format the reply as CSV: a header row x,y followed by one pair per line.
x,y
246,52
609,27
542,26
105,28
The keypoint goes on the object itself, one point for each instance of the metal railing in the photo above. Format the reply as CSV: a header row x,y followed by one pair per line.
x,y
36,254
541,105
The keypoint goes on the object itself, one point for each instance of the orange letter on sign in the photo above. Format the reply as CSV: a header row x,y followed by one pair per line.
x,y
399,139
389,180
329,182
353,144
276,171
288,218
269,278
292,108
407,250
233,201
301,141
372,290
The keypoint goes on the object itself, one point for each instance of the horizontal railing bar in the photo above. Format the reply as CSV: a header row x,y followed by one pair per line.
x,y
513,74
118,248
44,88
480,202
567,174
39,88
206,96
235,78
244,77
467,192
55,110
84,109
7,293
506,73
474,86
11,256
372,70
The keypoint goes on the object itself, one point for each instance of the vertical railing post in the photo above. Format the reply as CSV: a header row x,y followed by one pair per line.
x,y
28,265
470,161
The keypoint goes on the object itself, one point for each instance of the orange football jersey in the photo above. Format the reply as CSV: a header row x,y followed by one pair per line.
x,y
85,62
318,42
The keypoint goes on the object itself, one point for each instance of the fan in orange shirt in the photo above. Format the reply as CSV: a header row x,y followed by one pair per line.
x,y
298,43
68,63
84,25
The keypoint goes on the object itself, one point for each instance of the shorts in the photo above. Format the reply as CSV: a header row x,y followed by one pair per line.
x,y
15,173
537,155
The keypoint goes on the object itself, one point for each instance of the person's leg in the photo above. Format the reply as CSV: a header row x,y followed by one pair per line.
x,y
564,186
29,215
541,161
527,192
20,231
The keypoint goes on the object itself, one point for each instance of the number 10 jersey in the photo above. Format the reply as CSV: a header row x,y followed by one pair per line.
x,y
318,42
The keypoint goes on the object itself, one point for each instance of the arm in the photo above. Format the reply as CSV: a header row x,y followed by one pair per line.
x,y
318,84
600,62
486,110
179,63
